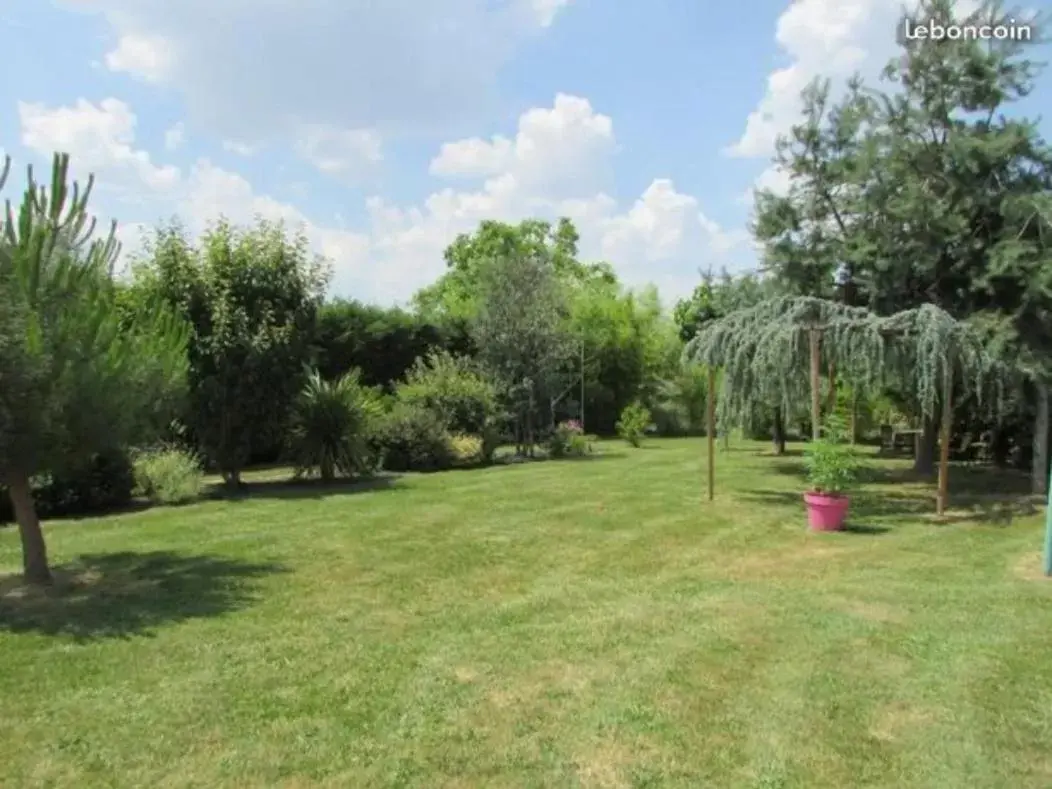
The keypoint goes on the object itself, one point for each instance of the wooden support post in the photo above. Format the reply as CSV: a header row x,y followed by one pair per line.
x,y
816,384
832,387
711,430
944,445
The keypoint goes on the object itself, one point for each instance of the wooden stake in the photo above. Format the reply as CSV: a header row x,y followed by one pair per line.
x,y
711,429
944,445
854,416
832,387
816,384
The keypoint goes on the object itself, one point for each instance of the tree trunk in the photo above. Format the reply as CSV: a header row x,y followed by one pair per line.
x,y
232,478
924,450
778,432
710,429
34,550
1039,462
816,384
944,445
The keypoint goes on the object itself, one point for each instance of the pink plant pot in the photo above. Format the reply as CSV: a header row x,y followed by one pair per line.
x,y
825,512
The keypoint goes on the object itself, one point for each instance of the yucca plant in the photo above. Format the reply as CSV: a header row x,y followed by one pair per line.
x,y
330,427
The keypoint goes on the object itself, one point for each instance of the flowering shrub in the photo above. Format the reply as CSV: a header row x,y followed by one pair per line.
x,y
568,440
466,449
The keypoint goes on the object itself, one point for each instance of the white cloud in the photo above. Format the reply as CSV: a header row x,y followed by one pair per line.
x,y
397,65
822,38
546,10
149,57
346,152
566,146
665,238
472,157
175,137
101,136
554,167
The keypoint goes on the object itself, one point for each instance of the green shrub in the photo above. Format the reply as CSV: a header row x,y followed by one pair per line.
x,y
415,439
568,440
103,483
467,450
168,475
454,389
331,426
633,424
832,465
681,402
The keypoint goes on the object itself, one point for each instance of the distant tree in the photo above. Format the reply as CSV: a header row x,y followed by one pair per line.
x,y
716,297
456,294
251,295
520,330
76,379
382,342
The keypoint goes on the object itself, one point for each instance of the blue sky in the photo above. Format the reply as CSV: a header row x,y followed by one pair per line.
x,y
384,129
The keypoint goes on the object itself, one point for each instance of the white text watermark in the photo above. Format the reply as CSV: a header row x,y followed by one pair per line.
x,y
1004,30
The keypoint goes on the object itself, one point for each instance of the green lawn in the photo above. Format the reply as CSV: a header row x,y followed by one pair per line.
x,y
589,623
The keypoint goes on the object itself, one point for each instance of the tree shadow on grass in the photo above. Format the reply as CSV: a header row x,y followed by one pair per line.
x,y
967,479
991,509
120,595
302,488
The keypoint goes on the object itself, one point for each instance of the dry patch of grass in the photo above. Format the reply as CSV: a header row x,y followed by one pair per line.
x,y
899,720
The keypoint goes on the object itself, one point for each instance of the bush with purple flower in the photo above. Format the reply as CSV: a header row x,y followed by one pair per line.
x,y
568,440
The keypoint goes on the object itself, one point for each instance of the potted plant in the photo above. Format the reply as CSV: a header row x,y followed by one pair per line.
x,y
832,468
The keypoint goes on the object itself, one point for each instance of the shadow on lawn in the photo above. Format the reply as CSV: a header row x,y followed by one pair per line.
x,y
970,480
287,488
119,595
991,509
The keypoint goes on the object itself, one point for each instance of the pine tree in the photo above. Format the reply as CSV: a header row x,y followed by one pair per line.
x,y
72,378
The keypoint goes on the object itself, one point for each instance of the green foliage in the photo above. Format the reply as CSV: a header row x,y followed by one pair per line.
x,y
680,405
101,483
470,258
75,378
467,450
168,475
251,295
633,424
569,440
832,465
383,343
714,299
521,335
455,389
927,189
413,438
331,426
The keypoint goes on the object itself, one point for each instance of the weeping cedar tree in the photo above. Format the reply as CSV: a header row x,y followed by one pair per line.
x,y
251,296
73,379
766,352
